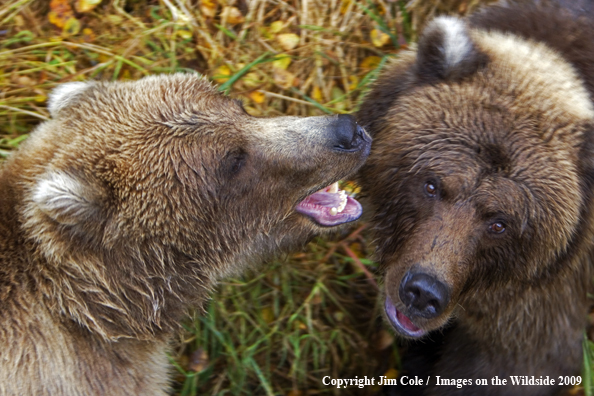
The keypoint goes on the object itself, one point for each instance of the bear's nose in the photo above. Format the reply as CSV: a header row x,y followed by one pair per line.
x,y
424,295
347,134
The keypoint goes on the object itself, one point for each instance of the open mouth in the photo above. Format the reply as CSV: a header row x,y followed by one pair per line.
x,y
330,206
401,322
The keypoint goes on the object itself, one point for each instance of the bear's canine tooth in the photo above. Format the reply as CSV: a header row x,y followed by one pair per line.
x,y
333,188
333,211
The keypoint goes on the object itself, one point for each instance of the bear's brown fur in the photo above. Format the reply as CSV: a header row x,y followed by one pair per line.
x,y
481,180
125,209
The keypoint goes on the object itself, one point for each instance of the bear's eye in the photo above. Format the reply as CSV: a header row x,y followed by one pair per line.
x,y
430,189
235,160
497,228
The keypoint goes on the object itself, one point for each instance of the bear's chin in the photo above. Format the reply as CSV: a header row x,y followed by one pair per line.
x,y
330,207
401,323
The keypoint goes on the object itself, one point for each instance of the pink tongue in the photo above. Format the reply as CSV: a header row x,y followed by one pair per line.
x,y
405,322
323,199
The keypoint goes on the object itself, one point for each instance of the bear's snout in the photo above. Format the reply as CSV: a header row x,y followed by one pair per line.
x,y
424,295
347,135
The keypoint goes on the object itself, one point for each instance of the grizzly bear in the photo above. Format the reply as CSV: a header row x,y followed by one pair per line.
x,y
124,210
480,181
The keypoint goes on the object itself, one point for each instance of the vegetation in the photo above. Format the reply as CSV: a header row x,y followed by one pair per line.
x,y
305,316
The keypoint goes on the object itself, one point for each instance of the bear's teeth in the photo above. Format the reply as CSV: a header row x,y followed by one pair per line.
x,y
333,188
333,211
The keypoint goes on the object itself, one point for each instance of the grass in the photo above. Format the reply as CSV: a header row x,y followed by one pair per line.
x,y
307,315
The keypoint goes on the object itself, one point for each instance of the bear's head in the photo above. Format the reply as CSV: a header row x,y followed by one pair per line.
x,y
141,195
479,175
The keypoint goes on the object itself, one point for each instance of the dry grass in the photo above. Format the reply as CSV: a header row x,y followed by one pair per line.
x,y
313,313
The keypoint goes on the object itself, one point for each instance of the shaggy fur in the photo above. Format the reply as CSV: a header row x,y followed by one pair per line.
x,y
125,209
481,179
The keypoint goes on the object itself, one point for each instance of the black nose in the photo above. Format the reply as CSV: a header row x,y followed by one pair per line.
x,y
423,295
348,135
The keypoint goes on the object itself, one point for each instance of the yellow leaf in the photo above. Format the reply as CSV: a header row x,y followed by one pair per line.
x,y
86,5
353,82
221,74
344,6
184,33
232,15
60,12
208,8
371,62
379,38
392,373
252,111
316,94
88,35
282,63
257,97
276,27
71,27
288,41
283,78
252,80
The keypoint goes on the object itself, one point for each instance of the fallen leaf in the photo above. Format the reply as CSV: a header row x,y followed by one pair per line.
x,y
316,94
392,373
282,63
353,82
257,97
208,8
221,74
252,80
60,12
371,62
276,27
71,27
88,35
379,38
86,5
232,15
288,41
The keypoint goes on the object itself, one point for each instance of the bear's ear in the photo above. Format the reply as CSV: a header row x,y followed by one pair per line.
x,y
68,199
446,51
64,94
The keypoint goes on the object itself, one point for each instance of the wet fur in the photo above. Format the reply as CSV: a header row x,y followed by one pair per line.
x,y
123,212
506,133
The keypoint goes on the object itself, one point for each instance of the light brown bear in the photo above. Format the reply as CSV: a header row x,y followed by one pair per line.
x,y
481,178
127,207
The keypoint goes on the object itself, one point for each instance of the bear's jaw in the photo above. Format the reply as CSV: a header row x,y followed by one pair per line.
x,y
401,322
330,207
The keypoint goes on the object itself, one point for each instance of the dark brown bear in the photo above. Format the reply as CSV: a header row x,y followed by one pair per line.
x,y
481,179
129,205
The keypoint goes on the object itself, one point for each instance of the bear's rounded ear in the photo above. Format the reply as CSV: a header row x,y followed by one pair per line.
x,y
446,51
64,94
68,199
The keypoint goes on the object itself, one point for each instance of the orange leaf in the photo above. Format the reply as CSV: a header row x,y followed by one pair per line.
x,y
60,12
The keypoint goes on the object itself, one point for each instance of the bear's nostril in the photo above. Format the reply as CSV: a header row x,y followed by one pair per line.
x,y
423,295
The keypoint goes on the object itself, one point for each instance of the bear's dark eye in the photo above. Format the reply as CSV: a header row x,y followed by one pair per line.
x,y
234,161
430,189
497,228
